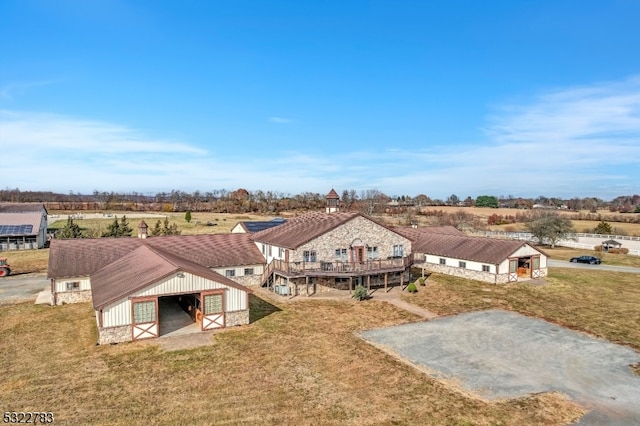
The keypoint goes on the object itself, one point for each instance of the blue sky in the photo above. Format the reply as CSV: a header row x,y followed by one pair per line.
x,y
469,98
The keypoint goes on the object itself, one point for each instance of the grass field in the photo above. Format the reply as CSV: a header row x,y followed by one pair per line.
x,y
297,363
222,222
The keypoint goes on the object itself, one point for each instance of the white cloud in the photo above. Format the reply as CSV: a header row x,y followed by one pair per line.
x,y
580,141
280,120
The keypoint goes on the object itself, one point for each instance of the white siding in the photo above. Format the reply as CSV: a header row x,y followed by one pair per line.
x,y
524,251
238,229
119,313
61,284
453,262
239,270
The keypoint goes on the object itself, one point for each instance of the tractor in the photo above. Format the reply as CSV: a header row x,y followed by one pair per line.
x,y
4,267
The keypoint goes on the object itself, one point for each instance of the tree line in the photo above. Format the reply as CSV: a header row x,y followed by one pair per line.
x,y
271,202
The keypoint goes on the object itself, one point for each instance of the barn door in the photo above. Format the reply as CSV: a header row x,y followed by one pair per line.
x,y
213,311
513,270
144,318
535,267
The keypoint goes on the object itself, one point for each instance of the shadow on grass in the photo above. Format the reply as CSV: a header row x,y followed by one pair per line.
x,y
259,308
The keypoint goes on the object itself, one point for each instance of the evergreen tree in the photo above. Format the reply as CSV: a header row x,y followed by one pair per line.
x,y
118,229
125,230
187,216
603,228
112,229
157,230
70,230
163,228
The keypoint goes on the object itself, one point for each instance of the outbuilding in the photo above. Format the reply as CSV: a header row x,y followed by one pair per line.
x,y
23,226
486,259
131,294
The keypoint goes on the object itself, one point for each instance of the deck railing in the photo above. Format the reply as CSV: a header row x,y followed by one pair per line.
x,y
336,267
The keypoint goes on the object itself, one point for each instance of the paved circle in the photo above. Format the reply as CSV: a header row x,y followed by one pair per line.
x,y
498,354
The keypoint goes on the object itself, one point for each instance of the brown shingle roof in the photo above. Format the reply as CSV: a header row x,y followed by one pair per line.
x,y
332,195
82,257
22,208
487,250
304,228
141,268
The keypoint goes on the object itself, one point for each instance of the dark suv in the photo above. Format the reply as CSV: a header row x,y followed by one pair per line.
x,y
587,259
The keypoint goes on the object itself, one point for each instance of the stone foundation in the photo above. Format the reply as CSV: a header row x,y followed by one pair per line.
x,y
107,335
476,275
73,297
234,318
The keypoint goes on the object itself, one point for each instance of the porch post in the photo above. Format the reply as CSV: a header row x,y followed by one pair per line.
x,y
368,284
350,284
306,287
386,276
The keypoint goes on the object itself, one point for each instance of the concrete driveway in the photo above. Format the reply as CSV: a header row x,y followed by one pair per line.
x,y
498,354
21,288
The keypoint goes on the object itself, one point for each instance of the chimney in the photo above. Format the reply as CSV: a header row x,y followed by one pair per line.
x,y
143,230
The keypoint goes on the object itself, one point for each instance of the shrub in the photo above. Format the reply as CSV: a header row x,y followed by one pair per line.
x,y
360,292
421,281
411,288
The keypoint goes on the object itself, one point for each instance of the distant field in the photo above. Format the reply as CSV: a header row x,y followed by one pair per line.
x,y
586,226
220,222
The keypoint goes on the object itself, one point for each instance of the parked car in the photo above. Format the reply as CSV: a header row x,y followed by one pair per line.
x,y
587,259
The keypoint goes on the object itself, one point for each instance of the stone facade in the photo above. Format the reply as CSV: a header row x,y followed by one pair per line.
x,y
357,232
73,297
231,319
108,335
248,280
475,275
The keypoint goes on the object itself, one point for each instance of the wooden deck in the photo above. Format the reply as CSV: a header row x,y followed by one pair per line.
x,y
336,268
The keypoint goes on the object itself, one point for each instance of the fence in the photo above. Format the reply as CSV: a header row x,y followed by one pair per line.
x,y
528,236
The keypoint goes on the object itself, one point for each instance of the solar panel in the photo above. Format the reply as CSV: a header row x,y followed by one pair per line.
x,y
16,229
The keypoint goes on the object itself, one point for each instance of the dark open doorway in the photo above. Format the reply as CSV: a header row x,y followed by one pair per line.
x,y
177,314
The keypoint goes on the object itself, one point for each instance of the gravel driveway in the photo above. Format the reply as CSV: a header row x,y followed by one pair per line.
x,y
498,354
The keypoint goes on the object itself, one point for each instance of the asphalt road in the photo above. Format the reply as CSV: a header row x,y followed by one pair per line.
x,y
601,267
22,288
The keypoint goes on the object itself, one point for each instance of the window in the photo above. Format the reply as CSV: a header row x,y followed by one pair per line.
x,y
73,285
144,312
309,255
264,250
398,250
269,249
341,254
212,304
462,264
280,253
372,253
230,273
248,271
485,268
443,261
